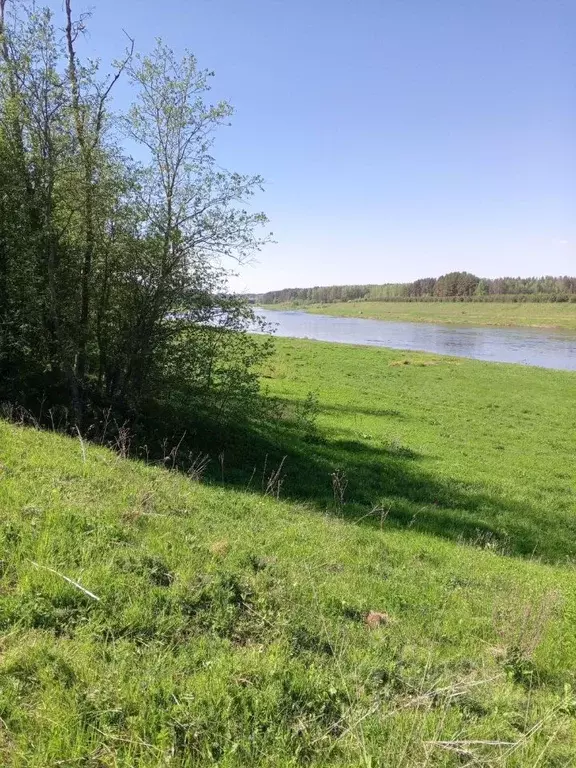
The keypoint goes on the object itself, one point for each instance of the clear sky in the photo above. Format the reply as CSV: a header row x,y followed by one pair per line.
x,y
399,138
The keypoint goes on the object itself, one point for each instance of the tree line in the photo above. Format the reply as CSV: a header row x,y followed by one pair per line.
x,y
454,286
114,264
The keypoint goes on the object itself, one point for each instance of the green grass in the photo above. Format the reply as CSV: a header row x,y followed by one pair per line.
x,y
458,448
231,629
545,315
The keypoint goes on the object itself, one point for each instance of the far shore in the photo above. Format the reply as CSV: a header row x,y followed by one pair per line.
x,y
549,315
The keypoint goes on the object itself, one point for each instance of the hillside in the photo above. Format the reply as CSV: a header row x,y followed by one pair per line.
x,y
232,628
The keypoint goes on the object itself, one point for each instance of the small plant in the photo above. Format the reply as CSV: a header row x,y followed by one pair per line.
x,y
521,626
301,415
339,486
307,414
123,441
170,457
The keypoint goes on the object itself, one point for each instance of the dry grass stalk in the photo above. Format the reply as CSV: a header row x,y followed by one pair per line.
x,y
82,446
275,481
69,580
198,466
521,625
339,486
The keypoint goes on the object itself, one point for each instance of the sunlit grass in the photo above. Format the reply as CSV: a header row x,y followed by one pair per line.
x,y
231,628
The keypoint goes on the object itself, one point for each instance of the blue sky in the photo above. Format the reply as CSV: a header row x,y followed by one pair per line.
x,y
398,138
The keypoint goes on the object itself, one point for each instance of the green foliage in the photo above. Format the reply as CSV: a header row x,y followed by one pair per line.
x,y
455,286
113,273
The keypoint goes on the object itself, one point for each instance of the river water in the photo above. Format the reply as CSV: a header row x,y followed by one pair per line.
x,y
527,346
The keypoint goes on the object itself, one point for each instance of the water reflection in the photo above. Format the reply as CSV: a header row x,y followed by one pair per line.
x,y
529,346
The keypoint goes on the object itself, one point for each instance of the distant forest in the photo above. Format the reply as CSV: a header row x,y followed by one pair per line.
x,y
455,286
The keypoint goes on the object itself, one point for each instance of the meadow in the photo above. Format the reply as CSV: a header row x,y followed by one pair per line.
x,y
528,314
381,573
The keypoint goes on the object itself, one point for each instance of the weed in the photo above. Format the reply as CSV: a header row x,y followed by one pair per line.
x,y
123,441
273,483
339,486
197,466
521,627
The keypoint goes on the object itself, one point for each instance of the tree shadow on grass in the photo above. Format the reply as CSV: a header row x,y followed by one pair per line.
x,y
368,483
392,413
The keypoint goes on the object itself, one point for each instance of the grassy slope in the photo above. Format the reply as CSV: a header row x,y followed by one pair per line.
x,y
479,314
230,628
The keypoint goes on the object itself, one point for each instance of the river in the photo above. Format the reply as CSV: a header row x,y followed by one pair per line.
x,y
527,346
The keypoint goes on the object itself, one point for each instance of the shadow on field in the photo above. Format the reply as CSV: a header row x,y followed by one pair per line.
x,y
369,484
388,412
287,457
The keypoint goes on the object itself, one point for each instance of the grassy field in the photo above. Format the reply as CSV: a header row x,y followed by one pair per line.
x,y
545,315
234,628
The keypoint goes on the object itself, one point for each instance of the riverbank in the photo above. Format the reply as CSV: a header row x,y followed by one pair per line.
x,y
531,315
391,607
555,349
